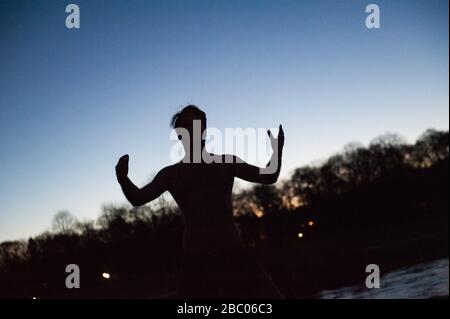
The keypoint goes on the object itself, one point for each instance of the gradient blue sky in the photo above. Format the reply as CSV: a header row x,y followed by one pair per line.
x,y
73,101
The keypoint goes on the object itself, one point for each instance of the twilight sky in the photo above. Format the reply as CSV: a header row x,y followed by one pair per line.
x,y
73,101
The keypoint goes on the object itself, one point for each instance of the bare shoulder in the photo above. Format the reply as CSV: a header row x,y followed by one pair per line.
x,y
168,172
224,159
232,159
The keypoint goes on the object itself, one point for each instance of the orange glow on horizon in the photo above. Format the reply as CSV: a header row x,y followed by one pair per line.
x,y
257,210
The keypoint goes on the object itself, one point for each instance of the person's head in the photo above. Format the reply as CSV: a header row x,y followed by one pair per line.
x,y
186,118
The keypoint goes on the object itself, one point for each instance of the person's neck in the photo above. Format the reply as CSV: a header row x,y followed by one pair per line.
x,y
190,158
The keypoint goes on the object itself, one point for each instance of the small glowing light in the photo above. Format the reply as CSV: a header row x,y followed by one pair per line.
x,y
310,223
34,298
300,235
106,275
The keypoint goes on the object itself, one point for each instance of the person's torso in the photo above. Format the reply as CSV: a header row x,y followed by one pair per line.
x,y
204,194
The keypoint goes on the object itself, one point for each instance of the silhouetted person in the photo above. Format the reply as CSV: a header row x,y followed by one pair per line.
x,y
216,262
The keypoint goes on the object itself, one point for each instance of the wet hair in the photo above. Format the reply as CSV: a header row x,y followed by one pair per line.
x,y
192,109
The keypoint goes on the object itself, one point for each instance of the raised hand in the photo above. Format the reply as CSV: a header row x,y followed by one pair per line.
x,y
122,168
277,143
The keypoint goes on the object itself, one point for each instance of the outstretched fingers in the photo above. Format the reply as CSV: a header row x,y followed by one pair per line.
x,y
280,136
280,132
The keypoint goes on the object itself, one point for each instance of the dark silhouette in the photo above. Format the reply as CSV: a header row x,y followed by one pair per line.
x,y
215,262
387,204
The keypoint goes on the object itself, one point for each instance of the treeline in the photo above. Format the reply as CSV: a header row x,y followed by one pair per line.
x,y
363,197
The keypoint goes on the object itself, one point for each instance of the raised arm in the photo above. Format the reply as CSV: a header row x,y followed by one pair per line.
x,y
270,173
140,196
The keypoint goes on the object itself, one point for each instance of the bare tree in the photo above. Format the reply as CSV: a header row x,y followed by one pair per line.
x,y
64,223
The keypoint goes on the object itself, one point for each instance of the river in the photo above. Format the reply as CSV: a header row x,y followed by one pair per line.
x,y
425,280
